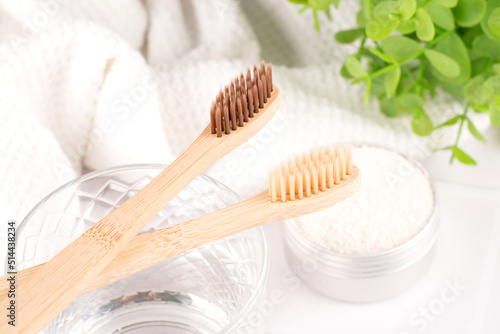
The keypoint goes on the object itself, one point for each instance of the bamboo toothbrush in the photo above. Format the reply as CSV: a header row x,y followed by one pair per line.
x,y
238,112
305,184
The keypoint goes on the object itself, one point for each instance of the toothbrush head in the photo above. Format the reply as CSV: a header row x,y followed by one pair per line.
x,y
239,101
311,173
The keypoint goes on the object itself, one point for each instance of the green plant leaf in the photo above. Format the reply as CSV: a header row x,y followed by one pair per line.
x,y
406,8
424,25
319,4
495,68
421,123
386,8
491,6
441,16
366,8
354,67
345,73
479,65
377,88
400,47
381,55
406,27
450,122
445,3
468,13
409,103
391,81
494,111
477,91
468,35
380,27
483,108
494,22
389,107
457,91
474,131
493,83
442,63
298,2
463,157
361,21
452,46
486,47
349,36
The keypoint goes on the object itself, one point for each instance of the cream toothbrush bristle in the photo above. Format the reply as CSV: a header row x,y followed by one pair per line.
x,y
310,173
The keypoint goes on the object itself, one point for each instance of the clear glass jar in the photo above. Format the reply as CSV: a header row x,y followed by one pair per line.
x,y
363,278
213,289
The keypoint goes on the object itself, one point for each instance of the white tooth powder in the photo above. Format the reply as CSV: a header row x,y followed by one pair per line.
x,y
393,204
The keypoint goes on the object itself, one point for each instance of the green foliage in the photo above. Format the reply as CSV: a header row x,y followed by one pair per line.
x,y
440,16
349,36
424,26
489,20
442,63
422,123
354,67
391,81
401,48
468,13
411,50
462,156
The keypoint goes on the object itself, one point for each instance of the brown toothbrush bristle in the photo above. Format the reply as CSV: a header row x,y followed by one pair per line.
x,y
212,118
261,95
218,122
250,100
310,173
270,77
226,118
241,99
244,105
264,87
255,94
237,84
233,112
239,107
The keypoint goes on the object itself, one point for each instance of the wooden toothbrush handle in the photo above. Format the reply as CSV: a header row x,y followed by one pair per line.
x,y
151,248
49,290
148,249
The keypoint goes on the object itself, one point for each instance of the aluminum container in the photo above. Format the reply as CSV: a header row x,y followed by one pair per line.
x,y
363,278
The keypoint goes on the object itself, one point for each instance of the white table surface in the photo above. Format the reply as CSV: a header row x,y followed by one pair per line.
x,y
468,254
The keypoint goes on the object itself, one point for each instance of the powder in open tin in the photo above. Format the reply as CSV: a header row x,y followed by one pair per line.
x,y
393,204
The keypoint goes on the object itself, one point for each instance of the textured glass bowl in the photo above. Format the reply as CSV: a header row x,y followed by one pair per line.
x,y
215,288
